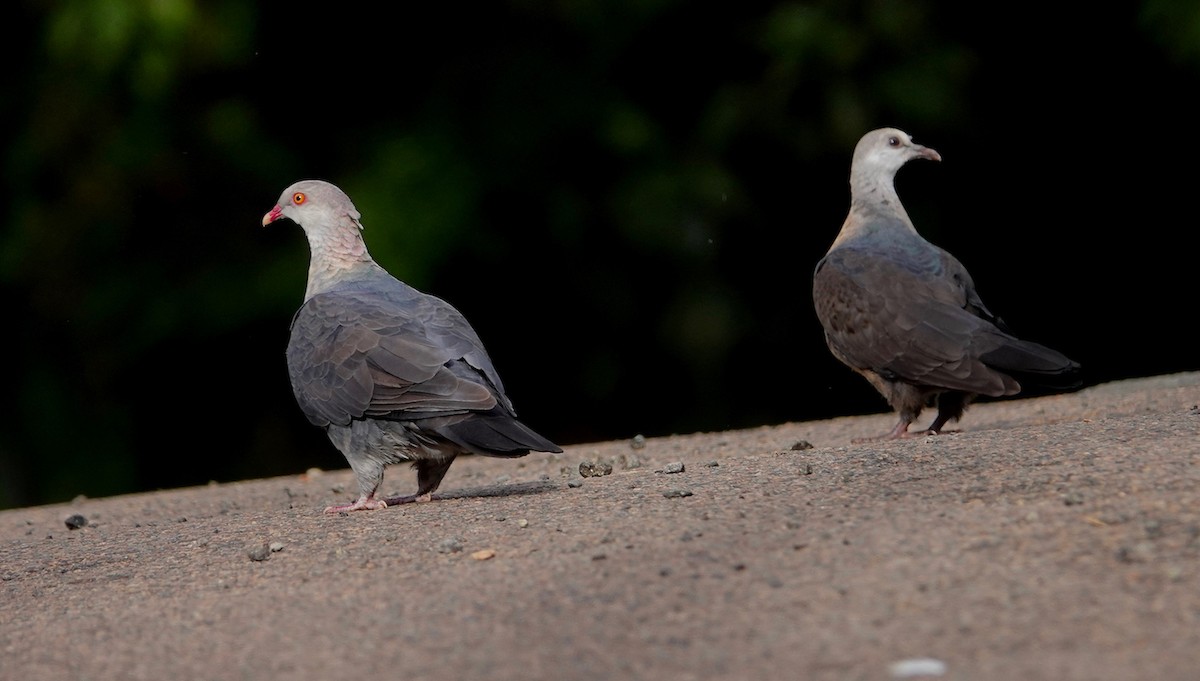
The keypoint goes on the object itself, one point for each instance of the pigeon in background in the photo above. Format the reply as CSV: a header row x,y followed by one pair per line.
x,y
390,373
905,314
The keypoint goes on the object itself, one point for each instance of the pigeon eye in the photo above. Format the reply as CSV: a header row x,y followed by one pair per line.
x,y
893,141
299,198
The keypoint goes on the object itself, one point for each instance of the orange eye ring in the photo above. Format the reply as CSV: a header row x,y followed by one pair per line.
x,y
299,198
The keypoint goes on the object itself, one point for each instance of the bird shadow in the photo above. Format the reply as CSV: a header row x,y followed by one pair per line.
x,y
516,489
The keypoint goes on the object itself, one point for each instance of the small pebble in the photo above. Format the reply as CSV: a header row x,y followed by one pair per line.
x,y
673,467
259,552
75,522
450,545
638,441
522,523
1072,499
712,464
677,493
801,445
1141,552
276,546
574,483
595,469
917,666
484,554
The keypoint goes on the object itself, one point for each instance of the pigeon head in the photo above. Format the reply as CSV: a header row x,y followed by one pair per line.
x,y
313,204
330,223
886,150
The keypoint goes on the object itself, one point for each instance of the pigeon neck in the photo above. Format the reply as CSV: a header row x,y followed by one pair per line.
x,y
874,204
335,254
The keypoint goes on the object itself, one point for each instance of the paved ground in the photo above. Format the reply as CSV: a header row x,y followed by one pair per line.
x,y
1053,538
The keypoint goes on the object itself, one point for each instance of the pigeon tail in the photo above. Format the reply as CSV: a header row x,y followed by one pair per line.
x,y
1036,364
496,434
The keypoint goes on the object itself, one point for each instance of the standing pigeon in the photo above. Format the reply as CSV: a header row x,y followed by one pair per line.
x,y
904,313
390,373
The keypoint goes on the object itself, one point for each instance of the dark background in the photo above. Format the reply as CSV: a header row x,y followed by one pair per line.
x,y
626,198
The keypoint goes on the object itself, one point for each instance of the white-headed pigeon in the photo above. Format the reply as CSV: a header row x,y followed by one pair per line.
x,y
905,314
392,374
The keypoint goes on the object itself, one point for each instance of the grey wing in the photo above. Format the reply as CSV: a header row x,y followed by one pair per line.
x,y
450,328
995,346
355,354
908,319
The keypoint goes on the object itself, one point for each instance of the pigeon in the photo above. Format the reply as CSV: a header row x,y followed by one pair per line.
x,y
905,314
392,374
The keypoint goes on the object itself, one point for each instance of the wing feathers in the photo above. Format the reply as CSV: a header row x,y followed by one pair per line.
x,y
921,321
365,353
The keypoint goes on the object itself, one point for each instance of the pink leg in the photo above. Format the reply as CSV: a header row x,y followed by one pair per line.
x,y
899,432
366,502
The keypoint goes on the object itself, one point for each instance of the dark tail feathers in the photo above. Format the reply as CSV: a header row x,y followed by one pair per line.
x,y
496,434
1031,363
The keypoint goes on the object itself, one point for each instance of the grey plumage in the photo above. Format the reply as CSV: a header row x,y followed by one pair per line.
x,y
392,374
905,314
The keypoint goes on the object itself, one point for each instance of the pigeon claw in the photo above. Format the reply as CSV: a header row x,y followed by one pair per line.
x,y
363,503
899,434
410,499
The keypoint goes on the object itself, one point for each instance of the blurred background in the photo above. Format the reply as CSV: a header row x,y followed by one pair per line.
x,y
625,197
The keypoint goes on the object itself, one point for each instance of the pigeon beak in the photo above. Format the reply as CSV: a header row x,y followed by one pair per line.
x,y
926,152
275,214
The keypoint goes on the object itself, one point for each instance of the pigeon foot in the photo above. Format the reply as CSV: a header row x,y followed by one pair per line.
x,y
410,498
900,431
364,503
883,438
902,435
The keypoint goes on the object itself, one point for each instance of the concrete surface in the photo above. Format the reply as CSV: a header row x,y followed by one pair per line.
x,y
1052,538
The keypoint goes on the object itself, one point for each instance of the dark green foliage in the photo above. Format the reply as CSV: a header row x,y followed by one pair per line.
x,y
626,199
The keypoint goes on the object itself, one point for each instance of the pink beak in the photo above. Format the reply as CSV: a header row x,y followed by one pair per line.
x,y
926,152
275,214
